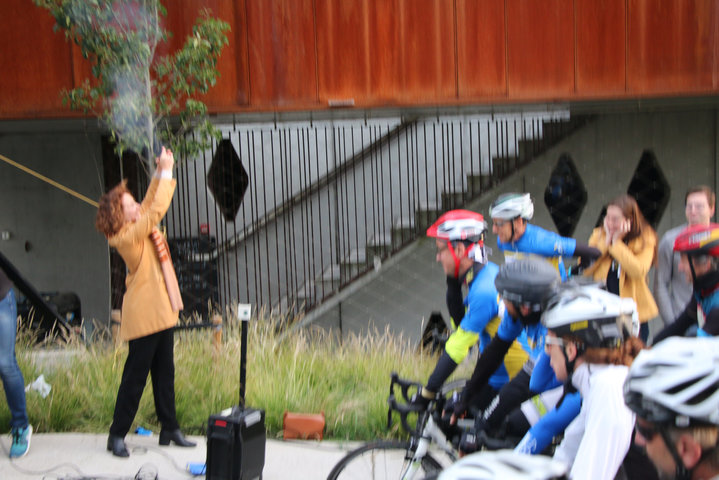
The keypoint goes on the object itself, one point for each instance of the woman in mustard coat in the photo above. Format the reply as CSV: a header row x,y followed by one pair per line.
x,y
628,245
148,313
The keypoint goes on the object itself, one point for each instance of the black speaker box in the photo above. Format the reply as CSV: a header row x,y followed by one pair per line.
x,y
236,444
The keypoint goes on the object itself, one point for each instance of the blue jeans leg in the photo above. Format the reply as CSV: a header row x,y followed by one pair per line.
x,y
10,373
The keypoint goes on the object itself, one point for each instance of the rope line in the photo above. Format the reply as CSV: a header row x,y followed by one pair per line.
x,y
49,180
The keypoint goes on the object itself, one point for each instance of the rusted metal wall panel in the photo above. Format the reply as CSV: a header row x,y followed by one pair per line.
x,y
540,48
36,63
412,55
232,88
481,49
672,46
385,53
281,42
601,57
343,53
312,54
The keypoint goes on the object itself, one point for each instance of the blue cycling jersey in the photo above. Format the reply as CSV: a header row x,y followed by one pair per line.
x,y
543,377
482,305
530,336
539,241
708,303
556,420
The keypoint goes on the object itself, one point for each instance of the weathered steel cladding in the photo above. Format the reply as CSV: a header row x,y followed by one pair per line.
x,y
314,54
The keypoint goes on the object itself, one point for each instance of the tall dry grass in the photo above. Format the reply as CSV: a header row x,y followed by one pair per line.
x,y
306,371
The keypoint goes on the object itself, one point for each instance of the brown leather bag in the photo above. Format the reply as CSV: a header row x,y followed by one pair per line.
x,y
303,426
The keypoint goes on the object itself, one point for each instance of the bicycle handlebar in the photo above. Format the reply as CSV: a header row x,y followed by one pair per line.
x,y
404,407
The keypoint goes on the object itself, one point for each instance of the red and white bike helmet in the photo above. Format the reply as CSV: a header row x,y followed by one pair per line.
x,y
696,241
461,226
699,240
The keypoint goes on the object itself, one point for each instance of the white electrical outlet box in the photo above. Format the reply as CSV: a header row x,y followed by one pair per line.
x,y
244,311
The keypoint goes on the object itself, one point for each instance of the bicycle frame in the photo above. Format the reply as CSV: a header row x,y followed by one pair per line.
x,y
430,431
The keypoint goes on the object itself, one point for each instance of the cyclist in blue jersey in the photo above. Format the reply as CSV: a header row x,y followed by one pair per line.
x,y
523,285
518,238
459,237
699,249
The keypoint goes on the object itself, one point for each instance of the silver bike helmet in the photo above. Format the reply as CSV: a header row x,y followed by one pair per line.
x,y
591,315
505,465
512,205
676,383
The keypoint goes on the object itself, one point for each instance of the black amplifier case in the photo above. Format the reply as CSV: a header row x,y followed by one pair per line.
x,y
236,444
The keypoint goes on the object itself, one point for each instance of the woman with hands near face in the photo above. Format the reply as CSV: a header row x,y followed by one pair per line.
x,y
628,245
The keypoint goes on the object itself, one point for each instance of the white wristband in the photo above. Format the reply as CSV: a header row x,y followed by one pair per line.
x,y
164,174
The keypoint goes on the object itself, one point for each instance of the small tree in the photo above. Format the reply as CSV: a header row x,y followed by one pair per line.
x,y
135,92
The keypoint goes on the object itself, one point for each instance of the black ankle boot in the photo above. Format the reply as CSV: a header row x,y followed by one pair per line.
x,y
176,437
116,445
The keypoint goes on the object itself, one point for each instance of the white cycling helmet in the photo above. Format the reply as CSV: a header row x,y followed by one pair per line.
x,y
505,465
591,315
512,205
461,226
676,382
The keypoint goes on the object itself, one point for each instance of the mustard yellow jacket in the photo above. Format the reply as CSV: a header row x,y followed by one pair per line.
x,y
635,260
146,306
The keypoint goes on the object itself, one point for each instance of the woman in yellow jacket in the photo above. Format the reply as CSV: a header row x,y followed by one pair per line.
x,y
628,245
150,306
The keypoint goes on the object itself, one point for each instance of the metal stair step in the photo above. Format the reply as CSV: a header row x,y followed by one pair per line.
x,y
379,245
353,264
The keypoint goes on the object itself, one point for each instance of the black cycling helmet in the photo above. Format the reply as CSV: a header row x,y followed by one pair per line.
x,y
527,282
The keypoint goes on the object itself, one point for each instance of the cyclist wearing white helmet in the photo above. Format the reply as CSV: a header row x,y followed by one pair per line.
x,y
504,465
674,391
698,247
518,238
459,237
590,343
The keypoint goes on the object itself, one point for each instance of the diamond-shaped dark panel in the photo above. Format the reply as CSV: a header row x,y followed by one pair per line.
x,y
565,196
650,188
227,180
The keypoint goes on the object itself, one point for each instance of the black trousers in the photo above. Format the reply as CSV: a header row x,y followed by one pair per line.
x,y
153,354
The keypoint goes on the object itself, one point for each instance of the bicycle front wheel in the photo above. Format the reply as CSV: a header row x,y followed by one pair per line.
x,y
382,460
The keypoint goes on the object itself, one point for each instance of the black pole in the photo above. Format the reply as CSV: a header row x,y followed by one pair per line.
x,y
243,361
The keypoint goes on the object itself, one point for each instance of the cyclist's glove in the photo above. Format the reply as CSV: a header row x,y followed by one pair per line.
x,y
460,407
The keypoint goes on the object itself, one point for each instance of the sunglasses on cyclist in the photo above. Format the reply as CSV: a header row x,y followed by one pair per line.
x,y
647,431
549,341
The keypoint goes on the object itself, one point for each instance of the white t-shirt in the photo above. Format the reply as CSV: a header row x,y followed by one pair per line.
x,y
596,442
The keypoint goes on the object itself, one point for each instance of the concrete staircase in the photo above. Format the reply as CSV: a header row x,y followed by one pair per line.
x,y
404,230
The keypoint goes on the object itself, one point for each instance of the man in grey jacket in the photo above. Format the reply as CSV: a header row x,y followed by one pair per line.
x,y
671,290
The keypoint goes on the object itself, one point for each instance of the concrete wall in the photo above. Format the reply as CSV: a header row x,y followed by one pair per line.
x,y
67,254
53,241
606,153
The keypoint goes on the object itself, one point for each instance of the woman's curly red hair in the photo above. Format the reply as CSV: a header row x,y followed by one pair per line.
x,y
110,217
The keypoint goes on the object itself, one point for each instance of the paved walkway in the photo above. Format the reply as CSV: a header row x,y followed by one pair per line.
x,y
74,456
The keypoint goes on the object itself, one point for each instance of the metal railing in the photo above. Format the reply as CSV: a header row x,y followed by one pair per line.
x,y
327,202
